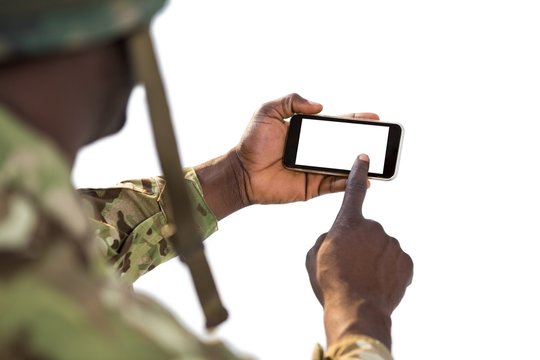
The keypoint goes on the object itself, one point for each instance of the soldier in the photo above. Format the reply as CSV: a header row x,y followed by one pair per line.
x,y
67,69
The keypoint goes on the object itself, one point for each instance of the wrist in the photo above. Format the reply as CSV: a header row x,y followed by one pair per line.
x,y
222,184
356,317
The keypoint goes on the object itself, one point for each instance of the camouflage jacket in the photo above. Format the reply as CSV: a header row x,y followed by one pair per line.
x,y
59,296
59,299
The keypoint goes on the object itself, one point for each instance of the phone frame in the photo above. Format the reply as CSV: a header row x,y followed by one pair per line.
x,y
393,146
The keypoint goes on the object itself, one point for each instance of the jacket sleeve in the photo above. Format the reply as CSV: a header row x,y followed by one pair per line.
x,y
354,347
129,218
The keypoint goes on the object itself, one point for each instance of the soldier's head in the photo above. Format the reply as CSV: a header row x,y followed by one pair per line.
x,y
64,67
67,68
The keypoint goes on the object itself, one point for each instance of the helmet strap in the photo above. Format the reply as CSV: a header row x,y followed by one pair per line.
x,y
181,230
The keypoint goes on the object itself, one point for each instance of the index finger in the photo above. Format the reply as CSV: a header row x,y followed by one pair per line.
x,y
357,185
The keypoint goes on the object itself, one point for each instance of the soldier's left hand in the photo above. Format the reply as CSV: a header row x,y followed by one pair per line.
x,y
260,153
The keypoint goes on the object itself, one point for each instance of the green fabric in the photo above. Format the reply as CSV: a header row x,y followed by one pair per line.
x,y
58,299
38,27
129,218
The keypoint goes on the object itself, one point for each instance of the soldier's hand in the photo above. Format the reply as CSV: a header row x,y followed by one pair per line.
x,y
357,271
253,172
260,153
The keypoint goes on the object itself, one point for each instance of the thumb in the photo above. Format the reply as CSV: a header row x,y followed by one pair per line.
x,y
288,105
357,185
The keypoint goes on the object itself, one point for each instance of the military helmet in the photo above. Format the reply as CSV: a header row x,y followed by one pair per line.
x,y
39,27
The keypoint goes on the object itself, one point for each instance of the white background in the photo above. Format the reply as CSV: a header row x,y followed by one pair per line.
x,y
463,77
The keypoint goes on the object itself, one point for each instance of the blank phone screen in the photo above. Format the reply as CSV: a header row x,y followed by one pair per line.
x,y
335,145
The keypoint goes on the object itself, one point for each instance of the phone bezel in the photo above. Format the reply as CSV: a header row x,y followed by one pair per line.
x,y
393,147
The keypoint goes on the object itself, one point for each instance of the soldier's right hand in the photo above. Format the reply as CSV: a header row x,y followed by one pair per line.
x,y
358,272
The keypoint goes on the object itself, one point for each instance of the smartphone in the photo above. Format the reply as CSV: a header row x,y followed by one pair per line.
x,y
330,145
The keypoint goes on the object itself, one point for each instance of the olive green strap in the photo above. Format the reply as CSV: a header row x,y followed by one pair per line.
x,y
182,231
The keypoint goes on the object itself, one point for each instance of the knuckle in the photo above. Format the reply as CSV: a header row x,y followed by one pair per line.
x,y
280,107
375,226
360,182
408,261
319,241
346,221
406,264
277,108
293,96
267,108
357,186
396,243
409,267
309,259
311,255
286,102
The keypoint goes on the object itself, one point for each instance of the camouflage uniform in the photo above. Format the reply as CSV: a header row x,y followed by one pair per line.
x,y
59,299
129,219
59,296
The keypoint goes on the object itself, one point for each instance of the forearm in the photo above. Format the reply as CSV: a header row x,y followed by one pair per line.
x,y
222,182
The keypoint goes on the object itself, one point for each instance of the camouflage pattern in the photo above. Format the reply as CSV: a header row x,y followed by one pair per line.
x,y
39,27
58,299
129,219
354,347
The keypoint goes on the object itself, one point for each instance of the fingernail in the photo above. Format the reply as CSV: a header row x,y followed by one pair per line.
x,y
363,157
314,103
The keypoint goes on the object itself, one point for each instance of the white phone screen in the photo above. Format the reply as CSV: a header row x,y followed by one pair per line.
x,y
336,145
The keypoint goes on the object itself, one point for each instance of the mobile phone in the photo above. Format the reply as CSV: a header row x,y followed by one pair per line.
x,y
329,145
